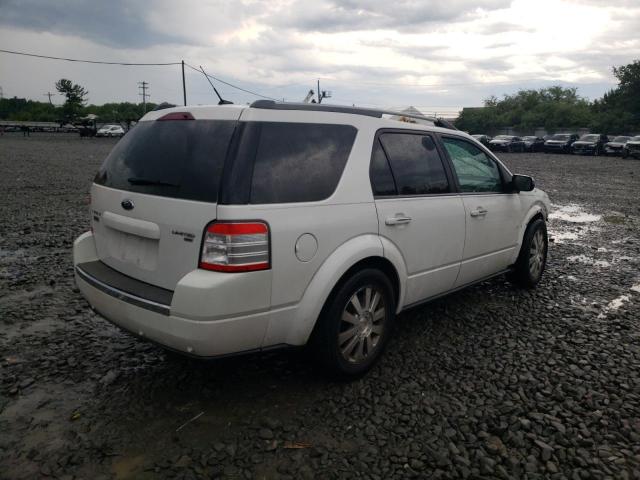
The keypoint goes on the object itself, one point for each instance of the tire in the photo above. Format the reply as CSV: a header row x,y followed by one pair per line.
x,y
532,259
509,149
348,343
625,153
596,152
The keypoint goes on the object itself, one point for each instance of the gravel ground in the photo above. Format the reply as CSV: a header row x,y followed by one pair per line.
x,y
491,382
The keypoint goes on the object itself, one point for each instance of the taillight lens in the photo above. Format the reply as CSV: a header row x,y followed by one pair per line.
x,y
236,247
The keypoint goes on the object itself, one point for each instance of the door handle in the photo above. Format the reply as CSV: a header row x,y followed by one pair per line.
x,y
400,219
478,212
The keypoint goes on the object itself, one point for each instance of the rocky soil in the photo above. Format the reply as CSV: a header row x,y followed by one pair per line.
x,y
491,382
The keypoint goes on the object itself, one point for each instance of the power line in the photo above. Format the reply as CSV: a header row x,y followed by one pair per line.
x,y
86,61
100,62
229,84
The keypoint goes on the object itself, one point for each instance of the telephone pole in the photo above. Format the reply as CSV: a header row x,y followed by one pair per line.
x,y
144,86
49,94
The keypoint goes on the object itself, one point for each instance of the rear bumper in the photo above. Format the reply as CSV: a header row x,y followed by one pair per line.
x,y
148,312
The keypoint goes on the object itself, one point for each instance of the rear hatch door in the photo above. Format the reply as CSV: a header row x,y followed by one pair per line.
x,y
158,189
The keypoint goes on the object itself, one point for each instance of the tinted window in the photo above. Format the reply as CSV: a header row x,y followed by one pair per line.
x,y
416,164
299,162
181,159
382,181
476,171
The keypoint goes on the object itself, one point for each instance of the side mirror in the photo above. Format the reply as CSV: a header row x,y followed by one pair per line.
x,y
522,183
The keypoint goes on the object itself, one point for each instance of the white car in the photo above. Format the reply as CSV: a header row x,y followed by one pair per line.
x,y
110,131
218,230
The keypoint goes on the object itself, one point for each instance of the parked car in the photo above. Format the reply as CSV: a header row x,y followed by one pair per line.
x,y
615,146
507,143
311,229
533,144
110,131
560,143
483,139
590,144
632,148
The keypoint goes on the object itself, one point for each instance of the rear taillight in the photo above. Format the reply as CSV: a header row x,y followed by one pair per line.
x,y
235,247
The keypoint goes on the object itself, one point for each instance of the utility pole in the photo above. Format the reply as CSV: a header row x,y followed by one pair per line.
x,y
144,86
49,94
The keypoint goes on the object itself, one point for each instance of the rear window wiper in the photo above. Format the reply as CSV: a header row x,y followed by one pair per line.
x,y
146,181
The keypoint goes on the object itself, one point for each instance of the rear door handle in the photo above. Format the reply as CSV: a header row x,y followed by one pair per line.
x,y
479,212
400,219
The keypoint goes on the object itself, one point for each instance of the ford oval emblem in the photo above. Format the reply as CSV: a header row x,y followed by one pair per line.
x,y
127,204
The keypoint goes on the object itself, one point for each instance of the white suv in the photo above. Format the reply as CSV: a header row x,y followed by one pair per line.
x,y
225,229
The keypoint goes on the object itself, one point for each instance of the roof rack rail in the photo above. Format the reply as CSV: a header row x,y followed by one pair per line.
x,y
369,112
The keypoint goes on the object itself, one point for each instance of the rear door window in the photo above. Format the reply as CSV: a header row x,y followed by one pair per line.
x,y
416,165
180,159
382,181
299,162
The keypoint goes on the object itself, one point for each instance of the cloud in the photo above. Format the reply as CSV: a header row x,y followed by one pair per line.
x,y
442,52
115,23
399,15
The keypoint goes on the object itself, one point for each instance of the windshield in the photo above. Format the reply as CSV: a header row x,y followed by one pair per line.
x,y
622,139
180,159
589,138
503,137
635,139
529,138
561,136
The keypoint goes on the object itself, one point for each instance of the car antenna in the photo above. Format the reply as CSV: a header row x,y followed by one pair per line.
x,y
222,101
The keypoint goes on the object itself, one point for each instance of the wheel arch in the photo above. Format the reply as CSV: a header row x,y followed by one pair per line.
x,y
537,211
365,251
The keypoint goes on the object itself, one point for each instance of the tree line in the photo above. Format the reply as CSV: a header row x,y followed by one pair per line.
x,y
617,112
73,109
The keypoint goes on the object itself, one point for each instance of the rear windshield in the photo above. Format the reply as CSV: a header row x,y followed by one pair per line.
x,y
180,159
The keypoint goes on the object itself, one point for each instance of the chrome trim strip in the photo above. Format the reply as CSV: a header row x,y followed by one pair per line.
x,y
124,296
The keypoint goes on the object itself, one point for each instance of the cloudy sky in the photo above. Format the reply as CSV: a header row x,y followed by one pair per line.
x,y
438,55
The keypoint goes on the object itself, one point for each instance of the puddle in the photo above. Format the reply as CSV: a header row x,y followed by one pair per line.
x,y
614,305
589,261
571,223
572,213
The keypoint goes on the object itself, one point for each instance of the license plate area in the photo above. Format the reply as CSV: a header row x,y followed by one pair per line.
x,y
132,249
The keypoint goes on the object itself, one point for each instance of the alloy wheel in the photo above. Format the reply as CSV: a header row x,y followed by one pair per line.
x,y
537,254
362,324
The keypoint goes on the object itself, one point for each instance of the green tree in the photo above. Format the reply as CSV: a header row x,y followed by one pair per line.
x,y
75,98
618,111
552,108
